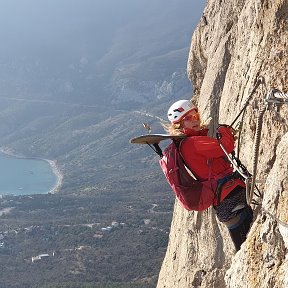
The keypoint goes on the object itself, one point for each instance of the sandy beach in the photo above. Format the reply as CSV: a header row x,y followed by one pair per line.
x,y
59,175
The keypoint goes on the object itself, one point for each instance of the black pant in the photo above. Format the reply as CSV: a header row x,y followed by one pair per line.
x,y
238,232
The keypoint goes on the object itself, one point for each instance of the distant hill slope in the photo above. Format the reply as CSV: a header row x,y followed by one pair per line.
x,y
62,102
75,89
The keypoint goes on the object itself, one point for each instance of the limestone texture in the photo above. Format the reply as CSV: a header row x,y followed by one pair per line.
x,y
234,43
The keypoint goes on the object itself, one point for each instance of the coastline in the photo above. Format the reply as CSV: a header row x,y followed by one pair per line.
x,y
57,172
53,164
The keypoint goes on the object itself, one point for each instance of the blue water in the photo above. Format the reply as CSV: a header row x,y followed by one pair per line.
x,y
21,176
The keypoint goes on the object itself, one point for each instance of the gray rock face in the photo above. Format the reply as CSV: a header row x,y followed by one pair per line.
x,y
234,43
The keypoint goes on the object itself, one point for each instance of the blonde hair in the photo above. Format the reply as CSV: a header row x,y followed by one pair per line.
x,y
176,129
172,129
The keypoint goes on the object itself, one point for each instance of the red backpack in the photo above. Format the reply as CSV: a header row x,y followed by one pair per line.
x,y
192,193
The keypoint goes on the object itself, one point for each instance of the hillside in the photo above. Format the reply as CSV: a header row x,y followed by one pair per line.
x,y
75,89
80,108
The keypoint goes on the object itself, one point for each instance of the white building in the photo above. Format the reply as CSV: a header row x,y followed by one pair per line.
x,y
40,257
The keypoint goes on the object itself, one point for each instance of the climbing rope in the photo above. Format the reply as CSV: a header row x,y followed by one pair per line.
x,y
259,124
275,97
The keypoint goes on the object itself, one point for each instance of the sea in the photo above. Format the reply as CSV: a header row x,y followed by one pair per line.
x,y
26,176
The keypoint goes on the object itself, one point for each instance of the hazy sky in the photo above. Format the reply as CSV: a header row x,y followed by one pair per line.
x,y
26,23
42,22
46,44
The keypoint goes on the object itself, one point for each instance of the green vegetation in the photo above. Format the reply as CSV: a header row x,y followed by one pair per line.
x,y
70,230
82,114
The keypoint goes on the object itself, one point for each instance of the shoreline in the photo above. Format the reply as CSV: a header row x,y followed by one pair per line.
x,y
57,172
53,164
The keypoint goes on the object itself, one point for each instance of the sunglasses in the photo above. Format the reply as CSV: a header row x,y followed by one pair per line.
x,y
191,117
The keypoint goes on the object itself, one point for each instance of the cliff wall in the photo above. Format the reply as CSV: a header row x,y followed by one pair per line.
x,y
234,43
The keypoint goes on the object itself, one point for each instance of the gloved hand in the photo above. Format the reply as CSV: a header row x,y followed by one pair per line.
x,y
232,130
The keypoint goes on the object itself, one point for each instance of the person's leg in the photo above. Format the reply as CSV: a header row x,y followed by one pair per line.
x,y
236,215
239,226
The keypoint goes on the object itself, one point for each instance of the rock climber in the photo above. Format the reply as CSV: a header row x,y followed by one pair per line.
x,y
205,158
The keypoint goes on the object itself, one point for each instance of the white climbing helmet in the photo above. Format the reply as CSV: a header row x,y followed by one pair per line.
x,y
179,109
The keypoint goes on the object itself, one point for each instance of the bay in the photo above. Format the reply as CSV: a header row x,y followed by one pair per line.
x,y
26,176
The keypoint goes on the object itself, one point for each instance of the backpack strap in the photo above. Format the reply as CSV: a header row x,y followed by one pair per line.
x,y
177,143
156,148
